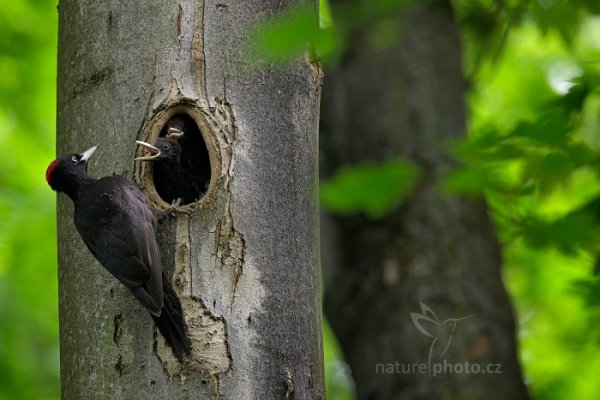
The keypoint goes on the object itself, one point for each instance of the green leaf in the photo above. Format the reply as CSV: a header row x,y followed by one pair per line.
x,y
486,149
567,234
557,15
474,180
372,188
589,289
283,38
548,169
574,99
552,129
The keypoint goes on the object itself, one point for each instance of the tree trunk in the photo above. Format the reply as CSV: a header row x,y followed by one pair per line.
x,y
406,99
245,259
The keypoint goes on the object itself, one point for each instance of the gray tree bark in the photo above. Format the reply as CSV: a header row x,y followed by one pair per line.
x,y
406,99
245,259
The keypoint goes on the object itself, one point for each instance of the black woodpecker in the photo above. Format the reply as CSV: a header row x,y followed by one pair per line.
x,y
120,230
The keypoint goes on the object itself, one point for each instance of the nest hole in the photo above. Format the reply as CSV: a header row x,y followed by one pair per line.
x,y
183,170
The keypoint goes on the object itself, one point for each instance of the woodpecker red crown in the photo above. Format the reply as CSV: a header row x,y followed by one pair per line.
x,y
50,171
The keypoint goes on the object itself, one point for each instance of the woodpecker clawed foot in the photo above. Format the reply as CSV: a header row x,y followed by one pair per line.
x,y
172,211
175,206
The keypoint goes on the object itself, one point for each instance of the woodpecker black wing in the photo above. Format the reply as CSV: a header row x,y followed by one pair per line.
x,y
119,229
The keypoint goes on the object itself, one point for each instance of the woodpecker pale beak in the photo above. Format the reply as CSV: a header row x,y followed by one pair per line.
x,y
174,133
152,152
88,153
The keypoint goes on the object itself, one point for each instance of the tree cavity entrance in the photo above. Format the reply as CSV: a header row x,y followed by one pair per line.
x,y
181,161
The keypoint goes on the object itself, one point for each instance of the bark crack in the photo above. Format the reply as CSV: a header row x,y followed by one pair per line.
x,y
217,384
118,332
197,52
178,23
87,84
208,333
289,382
230,243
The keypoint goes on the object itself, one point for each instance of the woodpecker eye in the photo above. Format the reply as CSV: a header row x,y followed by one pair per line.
x,y
74,159
165,146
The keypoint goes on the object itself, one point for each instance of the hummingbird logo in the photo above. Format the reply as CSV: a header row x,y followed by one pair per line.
x,y
440,331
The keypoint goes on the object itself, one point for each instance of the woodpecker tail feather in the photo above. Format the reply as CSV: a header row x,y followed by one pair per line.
x,y
171,323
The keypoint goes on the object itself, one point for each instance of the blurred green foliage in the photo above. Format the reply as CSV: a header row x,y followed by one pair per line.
x,y
534,131
282,38
533,151
29,356
372,188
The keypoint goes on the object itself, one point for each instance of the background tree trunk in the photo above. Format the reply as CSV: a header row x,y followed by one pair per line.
x,y
406,99
245,262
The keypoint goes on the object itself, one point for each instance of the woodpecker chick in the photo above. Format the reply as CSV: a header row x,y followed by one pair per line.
x,y
172,179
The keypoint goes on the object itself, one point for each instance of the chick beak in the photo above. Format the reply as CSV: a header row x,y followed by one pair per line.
x,y
174,133
152,153
88,153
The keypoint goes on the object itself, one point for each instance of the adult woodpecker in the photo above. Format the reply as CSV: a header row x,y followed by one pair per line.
x,y
120,230
173,178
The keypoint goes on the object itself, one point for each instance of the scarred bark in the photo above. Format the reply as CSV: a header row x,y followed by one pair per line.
x,y
245,259
406,99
